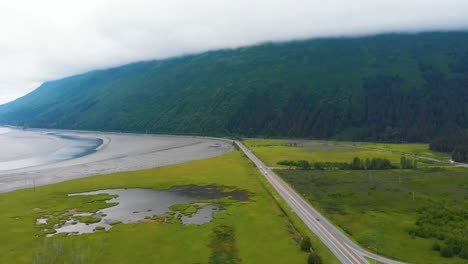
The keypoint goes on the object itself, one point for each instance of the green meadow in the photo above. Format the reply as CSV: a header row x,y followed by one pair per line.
x,y
378,210
412,149
260,230
273,151
399,213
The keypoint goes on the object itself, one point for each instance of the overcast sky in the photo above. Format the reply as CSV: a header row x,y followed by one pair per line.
x,y
49,39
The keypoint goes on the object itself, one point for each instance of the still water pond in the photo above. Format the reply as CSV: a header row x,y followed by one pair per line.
x,y
135,205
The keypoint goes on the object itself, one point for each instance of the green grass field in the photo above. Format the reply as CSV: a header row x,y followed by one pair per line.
x,y
263,234
273,151
416,149
378,209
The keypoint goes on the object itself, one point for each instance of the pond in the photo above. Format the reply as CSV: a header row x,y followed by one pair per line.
x,y
136,205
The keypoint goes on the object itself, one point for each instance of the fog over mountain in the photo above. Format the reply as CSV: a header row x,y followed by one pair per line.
x,y
50,39
390,87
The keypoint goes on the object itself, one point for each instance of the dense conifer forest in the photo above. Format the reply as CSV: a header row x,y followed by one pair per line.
x,y
393,87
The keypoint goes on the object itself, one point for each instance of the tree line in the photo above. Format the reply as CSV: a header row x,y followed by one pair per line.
x,y
457,145
356,164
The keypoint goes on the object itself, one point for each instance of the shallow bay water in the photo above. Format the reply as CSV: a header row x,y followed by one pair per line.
x,y
22,149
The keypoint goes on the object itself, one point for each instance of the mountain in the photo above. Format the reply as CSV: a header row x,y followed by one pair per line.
x,y
392,87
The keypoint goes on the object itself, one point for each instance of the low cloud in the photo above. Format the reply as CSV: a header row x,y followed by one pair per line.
x,y
49,39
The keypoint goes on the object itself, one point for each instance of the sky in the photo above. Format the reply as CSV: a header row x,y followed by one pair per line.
x,y
50,39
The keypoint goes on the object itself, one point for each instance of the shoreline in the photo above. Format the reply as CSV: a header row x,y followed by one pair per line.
x,y
29,149
119,152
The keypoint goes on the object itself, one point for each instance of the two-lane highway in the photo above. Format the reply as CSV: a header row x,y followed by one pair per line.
x,y
344,249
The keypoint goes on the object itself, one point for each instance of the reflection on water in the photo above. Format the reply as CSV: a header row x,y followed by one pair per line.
x,y
202,216
135,205
74,147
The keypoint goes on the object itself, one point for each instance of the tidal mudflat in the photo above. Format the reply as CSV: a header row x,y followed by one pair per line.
x,y
40,157
21,149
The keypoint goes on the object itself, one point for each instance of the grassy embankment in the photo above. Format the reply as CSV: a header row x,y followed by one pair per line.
x,y
263,234
376,208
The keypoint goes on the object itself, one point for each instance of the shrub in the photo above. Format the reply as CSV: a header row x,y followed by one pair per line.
x,y
302,164
464,252
346,230
306,245
314,259
436,246
446,252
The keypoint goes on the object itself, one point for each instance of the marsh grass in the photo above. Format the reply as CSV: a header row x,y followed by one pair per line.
x,y
378,209
262,230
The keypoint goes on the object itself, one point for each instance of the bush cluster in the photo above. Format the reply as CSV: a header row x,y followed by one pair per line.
x,y
306,246
356,164
448,226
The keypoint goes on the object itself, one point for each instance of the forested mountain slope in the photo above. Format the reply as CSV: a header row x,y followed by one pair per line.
x,y
393,87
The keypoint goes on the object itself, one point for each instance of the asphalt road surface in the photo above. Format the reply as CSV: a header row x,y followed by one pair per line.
x,y
344,249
